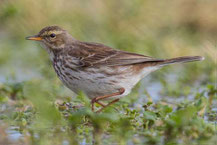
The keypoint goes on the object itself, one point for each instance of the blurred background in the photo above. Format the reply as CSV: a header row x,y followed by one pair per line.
x,y
162,29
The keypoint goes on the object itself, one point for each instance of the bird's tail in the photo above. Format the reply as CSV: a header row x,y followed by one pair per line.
x,y
183,59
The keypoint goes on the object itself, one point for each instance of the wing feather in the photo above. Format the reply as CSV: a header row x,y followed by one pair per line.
x,y
95,54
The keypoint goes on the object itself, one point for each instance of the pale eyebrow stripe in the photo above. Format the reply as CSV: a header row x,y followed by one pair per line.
x,y
50,32
55,32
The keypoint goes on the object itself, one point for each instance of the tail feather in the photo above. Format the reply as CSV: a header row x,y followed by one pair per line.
x,y
183,59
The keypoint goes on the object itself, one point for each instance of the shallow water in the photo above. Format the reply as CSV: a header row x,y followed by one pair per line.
x,y
17,74
13,134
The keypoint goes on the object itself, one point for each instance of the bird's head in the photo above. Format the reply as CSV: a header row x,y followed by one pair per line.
x,y
52,38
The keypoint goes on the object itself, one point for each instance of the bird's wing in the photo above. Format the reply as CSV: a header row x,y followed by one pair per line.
x,y
94,54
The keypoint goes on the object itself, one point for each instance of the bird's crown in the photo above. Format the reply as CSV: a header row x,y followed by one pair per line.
x,y
50,30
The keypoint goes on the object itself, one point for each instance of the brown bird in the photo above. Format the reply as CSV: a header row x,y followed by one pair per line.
x,y
101,72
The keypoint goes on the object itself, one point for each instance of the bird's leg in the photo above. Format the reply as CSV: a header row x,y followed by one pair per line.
x,y
96,100
101,104
121,91
110,103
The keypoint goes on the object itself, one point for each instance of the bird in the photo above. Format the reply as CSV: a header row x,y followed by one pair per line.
x,y
101,72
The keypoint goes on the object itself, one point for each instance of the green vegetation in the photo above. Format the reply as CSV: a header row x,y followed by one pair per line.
x,y
175,105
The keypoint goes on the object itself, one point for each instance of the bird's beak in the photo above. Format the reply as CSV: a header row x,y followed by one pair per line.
x,y
36,38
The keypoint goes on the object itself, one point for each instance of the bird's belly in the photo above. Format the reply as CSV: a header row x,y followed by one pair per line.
x,y
95,82
92,85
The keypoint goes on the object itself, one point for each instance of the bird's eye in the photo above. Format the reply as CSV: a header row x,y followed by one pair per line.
x,y
52,35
